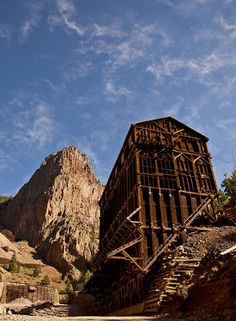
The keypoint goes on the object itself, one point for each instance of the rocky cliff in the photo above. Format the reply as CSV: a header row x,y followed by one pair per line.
x,y
57,211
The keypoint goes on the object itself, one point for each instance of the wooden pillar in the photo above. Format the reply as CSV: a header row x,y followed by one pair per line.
x,y
184,207
152,207
163,216
178,184
173,209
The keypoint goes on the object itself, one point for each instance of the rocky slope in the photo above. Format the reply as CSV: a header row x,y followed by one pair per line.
x,y
57,211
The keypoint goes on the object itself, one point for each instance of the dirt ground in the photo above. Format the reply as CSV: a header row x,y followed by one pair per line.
x,y
32,318
141,318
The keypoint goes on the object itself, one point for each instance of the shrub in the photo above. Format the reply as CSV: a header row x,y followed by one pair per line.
x,y
14,264
69,288
45,280
229,187
87,276
37,271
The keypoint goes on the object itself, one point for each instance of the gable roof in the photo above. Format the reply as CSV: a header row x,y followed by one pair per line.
x,y
182,125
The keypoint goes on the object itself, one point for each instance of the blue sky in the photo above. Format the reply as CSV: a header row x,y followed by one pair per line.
x,y
79,72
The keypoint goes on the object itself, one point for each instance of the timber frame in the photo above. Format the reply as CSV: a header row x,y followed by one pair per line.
x,y
161,183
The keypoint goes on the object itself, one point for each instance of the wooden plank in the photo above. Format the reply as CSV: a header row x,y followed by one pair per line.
x,y
231,249
133,261
125,246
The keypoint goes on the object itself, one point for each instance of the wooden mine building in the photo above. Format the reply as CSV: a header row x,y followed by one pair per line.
x,y
162,180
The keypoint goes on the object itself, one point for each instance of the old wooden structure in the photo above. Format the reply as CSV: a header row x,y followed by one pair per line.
x,y
161,183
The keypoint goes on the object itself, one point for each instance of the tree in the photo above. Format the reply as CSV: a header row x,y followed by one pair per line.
x,y
45,280
69,287
37,271
229,187
14,264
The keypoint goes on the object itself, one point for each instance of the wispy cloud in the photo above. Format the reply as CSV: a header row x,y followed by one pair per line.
x,y
114,92
185,6
174,109
229,27
34,12
5,160
122,47
108,31
42,128
228,124
5,31
29,121
65,17
200,67
75,69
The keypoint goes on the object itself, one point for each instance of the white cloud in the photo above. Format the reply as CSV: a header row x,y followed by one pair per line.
x,y
5,160
175,108
200,67
5,31
185,6
76,69
34,11
137,44
121,47
107,31
41,130
52,85
114,93
65,17
227,26
166,68
229,1
228,124
29,121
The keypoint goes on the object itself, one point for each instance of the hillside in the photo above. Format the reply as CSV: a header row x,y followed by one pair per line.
x,y
29,262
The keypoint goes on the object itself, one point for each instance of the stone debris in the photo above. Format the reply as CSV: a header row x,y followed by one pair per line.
x,y
212,242
22,301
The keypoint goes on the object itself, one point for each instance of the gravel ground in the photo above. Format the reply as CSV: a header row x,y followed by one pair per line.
x,y
32,318
209,243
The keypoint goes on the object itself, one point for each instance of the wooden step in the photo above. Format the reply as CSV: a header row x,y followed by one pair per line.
x,y
171,278
150,310
190,265
168,287
180,259
151,300
170,291
173,283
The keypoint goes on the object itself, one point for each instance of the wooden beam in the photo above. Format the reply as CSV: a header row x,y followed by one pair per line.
x,y
198,228
229,250
133,261
125,246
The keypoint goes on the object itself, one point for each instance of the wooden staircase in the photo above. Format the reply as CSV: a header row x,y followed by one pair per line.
x,y
126,235
164,285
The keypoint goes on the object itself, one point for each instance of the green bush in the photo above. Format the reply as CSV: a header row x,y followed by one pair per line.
x,y
4,199
87,276
37,271
45,280
229,188
14,264
69,287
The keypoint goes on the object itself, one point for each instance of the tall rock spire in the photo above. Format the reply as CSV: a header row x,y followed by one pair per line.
x,y
57,211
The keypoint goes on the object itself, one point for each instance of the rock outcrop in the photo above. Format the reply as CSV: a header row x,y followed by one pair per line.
x,y
57,211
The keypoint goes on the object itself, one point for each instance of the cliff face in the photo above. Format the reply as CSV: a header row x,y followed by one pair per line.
x,y
57,211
